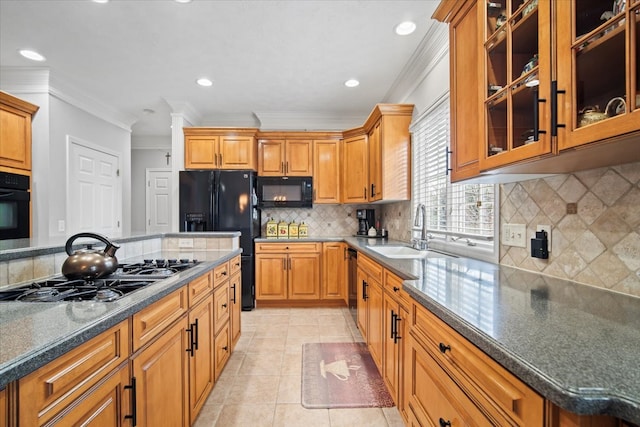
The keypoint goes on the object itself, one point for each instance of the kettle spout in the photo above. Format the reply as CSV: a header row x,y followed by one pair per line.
x,y
111,249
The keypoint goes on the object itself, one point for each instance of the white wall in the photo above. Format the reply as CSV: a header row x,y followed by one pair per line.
x,y
148,152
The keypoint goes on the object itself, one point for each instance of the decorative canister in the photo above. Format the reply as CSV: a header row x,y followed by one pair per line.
x,y
272,229
293,230
283,230
303,230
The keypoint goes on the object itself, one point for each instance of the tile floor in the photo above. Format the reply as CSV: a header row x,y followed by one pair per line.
x,y
261,384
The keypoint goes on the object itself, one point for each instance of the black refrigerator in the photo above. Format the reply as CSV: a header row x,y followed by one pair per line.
x,y
223,201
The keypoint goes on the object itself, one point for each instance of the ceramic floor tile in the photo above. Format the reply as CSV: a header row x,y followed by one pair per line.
x,y
208,416
262,363
248,414
370,417
291,364
267,344
296,415
296,331
253,389
290,389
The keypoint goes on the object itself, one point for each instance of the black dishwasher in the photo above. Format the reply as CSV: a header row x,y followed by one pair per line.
x,y
353,278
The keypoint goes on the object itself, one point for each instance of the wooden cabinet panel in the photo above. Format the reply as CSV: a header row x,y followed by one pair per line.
x,y
299,158
201,152
271,277
362,302
372,268
221,307
288,247
201,358
106,405
199,288
237,152
326,171
334,271
271,157
15,132
152,320
220,274
376,320
4,409
355,169
303,276
465,50
162,375
222,350
48,390
234,265
375,163
235,290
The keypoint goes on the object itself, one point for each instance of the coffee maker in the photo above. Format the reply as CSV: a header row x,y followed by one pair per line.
x,y
366,220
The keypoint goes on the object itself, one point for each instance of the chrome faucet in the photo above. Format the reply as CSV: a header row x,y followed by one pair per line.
x,y
423,243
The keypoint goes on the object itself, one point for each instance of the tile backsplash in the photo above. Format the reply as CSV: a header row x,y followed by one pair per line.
x,y
599,245
323,220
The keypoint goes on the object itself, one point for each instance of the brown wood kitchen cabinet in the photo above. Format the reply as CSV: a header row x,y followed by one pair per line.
x,y
334,271
355,167
88,381
546,72
15,133
4,408
285,154
326,171
288,273
449,378
220,148
235,294
370,306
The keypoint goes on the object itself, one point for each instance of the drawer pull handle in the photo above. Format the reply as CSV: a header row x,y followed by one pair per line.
x,y
444,423
444,348
225,348
224,305
134,414
396,289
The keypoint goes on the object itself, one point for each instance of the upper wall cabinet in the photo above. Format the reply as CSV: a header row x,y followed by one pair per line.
x,y
15,132
326,170
285,154
220,148
547,86
384,143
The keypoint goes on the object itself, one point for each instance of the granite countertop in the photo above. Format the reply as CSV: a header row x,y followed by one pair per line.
x,y
33,334
576,345
300,240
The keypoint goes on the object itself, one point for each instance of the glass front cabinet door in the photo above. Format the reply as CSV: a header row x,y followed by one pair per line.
x,y
518,74
598,77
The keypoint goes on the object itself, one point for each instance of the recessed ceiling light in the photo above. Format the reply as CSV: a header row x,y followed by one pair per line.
x,y
183,1
405,28
101,1
351,83
204,82
31,54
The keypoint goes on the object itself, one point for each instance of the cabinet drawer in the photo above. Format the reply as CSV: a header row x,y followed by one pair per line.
x,y
370,266
222,350
43,393
220,307
220,274
499,392
289,247
153,319
234,265
199,288
393,285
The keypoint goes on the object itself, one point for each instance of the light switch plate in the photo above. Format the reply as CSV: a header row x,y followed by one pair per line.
x,y
514,235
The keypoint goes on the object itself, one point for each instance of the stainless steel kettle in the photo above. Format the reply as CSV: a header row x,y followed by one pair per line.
x,y
90,263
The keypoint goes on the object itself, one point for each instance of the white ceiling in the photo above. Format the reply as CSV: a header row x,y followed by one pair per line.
x,y
266,58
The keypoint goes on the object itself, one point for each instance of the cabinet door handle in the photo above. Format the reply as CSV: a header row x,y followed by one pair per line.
x,y
373,190
190,332
286,168
447,153
396,337
393,324
134,413
444,348
234,293
364,193
554,108
289,263
220,159
364,290
536,114
282,167
444,423
195,335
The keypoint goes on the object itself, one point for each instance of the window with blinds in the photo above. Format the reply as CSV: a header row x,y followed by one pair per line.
x,y
458,215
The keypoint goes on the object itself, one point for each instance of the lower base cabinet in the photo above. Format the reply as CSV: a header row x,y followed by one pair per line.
x,y
161,373
200,355
235,293
222,350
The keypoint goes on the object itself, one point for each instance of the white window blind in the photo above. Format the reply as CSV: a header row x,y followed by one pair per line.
x,y
457,214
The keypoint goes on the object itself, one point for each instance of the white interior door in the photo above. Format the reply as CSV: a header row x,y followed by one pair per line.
x,y
158,197
94,190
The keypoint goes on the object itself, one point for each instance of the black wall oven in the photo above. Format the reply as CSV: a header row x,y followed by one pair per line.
x,y
14,206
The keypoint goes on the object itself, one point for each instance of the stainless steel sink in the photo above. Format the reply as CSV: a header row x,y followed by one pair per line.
x,y
399,251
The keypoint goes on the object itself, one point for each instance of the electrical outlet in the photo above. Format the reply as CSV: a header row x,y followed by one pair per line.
x,y
61,225
185,243
514,235
546,228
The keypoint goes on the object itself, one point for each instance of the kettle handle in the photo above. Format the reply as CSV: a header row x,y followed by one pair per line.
x,y
68,247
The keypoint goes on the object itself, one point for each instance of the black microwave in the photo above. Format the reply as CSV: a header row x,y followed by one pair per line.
x,y
285,191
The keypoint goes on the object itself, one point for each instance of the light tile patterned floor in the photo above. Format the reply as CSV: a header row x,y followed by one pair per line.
x,y
261,384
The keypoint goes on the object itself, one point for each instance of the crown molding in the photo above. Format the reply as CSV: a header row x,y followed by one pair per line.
x,y
306,121
34,80
185,110
433,48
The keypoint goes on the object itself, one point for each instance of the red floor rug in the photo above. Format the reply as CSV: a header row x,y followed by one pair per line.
x,y
341,375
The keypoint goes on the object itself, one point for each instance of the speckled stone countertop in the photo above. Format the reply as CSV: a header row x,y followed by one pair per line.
x,y
302,240
33,334
578,346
